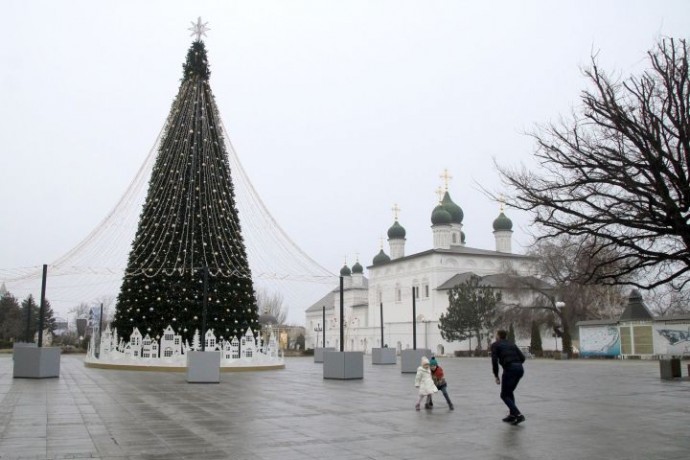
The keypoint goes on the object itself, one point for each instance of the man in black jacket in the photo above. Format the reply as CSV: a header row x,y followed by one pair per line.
x,y
511,359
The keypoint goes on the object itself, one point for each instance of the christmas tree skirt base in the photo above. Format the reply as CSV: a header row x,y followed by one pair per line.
x,y
239,365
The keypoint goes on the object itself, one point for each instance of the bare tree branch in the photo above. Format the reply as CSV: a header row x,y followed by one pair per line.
x,y
616,173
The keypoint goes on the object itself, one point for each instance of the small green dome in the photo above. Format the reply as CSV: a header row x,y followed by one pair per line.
x,y
345,271
357,268
440,216
381,258
502,223
462,237
396,232
455,211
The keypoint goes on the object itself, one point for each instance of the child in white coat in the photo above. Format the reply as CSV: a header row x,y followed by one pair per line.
x,y
424,382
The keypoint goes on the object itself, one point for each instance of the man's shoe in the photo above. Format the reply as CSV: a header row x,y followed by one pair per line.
x,y
509,419
428,406
519,419
416,406
450,406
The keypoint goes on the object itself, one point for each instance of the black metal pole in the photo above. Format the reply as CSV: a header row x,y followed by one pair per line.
x,y
100,330
28,323
342,315
43,306
203,314
323,328
414,320
381,324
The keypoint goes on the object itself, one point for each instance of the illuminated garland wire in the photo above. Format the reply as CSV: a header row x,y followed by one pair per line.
x,y
272,255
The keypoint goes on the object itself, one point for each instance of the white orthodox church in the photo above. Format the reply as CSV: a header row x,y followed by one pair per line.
x,y
432,273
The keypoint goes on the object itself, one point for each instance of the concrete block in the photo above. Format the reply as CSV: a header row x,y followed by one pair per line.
x,y
16,345
318,353
343,365
383,356
31,362
411,359
203,367
669,368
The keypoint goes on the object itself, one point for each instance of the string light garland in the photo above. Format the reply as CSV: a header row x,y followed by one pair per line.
x,y
174,242
189,222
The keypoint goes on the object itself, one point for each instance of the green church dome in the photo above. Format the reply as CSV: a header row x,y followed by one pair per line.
x,y
357,268
345,271
440,216
453,209
381,258
396,232
502,223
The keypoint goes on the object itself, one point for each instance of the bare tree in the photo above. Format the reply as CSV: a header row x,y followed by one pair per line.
x,y
80,311
83,310
668,301
565,263
563,294
271,303
617,173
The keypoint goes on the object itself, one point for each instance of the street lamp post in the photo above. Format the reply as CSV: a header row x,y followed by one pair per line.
x,y
318,329
559,306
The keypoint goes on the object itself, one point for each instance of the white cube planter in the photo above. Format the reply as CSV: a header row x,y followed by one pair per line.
x,y
31,362
203,367
343,365
411,359
16,345
318,353
383,356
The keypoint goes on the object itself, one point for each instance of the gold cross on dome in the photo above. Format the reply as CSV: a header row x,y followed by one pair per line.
x,y
381,241
446,177
439,192
502,200
395,210
199,28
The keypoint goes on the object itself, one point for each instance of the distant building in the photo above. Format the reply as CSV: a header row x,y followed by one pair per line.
x,y
431,273
61,326
636,333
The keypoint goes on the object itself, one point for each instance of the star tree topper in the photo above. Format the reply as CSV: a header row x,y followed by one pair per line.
x,y
199,29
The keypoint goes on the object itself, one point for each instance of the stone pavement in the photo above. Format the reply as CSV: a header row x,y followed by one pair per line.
x,y
575,410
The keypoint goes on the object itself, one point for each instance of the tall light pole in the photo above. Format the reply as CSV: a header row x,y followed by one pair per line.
x,y
318,329
559,306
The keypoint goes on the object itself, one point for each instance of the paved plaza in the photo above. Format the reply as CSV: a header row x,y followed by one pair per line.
x,y
575,410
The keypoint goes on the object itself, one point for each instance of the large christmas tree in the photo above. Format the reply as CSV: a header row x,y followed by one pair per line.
x,y
189,223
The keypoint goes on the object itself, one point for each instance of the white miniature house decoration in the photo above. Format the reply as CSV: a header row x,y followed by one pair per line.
x,y
169,350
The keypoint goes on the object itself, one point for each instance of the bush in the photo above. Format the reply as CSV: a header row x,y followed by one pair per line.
x,y
308,352
470,354
68,349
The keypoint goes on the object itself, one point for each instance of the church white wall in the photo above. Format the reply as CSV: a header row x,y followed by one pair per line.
x,y
442,236
504,241
397,248
392,284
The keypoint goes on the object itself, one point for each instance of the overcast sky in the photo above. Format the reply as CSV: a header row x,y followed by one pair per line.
x,y
337,109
